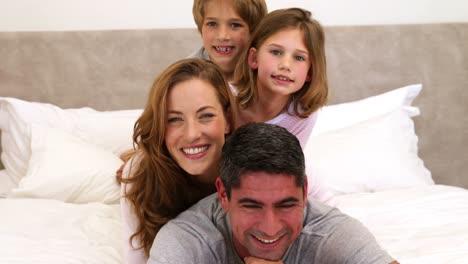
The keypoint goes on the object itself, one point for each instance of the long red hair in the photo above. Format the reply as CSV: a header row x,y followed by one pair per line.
x,y
159,188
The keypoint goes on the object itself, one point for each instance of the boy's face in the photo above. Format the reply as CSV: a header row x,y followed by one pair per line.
x,y
266,214
225,35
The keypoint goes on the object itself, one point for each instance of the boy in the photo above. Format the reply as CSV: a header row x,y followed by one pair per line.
x,y
225,27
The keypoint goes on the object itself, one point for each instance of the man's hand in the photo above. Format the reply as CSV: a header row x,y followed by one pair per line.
x,y
254,260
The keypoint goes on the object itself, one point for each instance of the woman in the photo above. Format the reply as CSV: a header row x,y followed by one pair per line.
x,y
178,141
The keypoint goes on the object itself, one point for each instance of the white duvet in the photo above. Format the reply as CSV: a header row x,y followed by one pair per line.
x,y
51,231
416,225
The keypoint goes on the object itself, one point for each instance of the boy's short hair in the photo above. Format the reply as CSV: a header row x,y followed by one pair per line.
x,y
251,11
261,147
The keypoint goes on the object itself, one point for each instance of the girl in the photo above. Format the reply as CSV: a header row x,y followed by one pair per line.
x,y
281,78
178,141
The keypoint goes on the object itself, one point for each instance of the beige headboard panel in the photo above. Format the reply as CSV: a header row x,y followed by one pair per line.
x,y
106,70
110,70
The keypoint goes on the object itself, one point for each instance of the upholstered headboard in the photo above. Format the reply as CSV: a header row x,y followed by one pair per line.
x,y
109,70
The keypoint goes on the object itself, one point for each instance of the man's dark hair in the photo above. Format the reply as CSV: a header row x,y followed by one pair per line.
x,y
261,147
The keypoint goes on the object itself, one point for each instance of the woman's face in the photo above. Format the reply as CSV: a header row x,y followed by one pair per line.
x,y
196,127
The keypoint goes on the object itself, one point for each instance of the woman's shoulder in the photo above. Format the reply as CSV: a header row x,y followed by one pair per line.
x,y
131,164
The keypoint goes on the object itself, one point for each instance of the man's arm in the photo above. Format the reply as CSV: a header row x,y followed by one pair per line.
x,y
177,243
352,242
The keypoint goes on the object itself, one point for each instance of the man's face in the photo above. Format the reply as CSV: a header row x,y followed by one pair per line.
x,y
266,213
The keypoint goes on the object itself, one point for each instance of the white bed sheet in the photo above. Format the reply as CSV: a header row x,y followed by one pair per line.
x,y
416,225
50,231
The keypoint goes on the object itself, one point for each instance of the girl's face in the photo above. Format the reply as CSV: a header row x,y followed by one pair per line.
x,y
196,127
225,35
283,63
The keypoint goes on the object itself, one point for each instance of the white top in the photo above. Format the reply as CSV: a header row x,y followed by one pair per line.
x,y
129,223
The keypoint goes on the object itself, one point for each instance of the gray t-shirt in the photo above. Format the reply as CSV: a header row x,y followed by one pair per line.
x,y
202,234
200,53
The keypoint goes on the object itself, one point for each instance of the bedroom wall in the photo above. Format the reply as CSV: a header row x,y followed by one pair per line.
x,y
46,15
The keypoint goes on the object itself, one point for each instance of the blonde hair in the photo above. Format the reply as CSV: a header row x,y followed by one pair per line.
x,y
251,11
314,93
160,189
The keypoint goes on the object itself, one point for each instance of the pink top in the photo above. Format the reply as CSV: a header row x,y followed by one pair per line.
x,y
300,127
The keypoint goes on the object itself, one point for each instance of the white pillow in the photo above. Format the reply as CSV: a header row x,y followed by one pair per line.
x,y
66,168
365,148
347,114
6,184
111,130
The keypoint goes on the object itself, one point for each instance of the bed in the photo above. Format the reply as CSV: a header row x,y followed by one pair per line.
x,y
391,143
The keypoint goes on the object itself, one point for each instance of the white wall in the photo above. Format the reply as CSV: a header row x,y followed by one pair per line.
x,y
39,15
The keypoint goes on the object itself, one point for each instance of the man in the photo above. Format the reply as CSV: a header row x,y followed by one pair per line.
x,y
261,214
